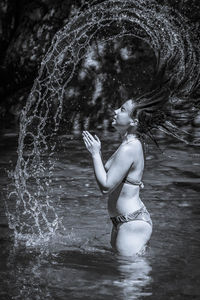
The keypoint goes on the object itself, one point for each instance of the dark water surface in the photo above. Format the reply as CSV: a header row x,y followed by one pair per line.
x,y
78,263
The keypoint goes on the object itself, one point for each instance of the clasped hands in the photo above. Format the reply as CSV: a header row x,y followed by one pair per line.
x,y
92,144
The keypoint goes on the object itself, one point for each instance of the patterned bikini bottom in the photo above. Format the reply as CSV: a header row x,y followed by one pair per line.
x,y
140,214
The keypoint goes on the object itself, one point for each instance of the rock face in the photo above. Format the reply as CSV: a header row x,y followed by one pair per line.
x,y
26,31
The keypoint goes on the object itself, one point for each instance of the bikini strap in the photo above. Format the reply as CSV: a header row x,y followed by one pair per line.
x,y
135,182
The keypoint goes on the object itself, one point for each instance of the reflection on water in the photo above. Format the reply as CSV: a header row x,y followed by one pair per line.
x,y
55,275
78,262
135,276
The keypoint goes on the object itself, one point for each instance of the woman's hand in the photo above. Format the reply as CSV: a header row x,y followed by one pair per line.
x,y
92,144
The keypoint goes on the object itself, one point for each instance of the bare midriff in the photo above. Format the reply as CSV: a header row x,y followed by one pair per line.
x,y
123,200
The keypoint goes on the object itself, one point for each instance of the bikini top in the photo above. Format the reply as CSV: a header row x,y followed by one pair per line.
x,y
133,182
129,181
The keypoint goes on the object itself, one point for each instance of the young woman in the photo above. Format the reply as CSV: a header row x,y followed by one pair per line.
x,y
120,178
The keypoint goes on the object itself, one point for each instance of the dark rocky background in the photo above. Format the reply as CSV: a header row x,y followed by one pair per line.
x,y
26,31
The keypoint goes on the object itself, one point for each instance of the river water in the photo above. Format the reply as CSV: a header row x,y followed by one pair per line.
x,y
78,262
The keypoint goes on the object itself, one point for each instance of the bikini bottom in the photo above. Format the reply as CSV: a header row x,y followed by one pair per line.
x,y
140,214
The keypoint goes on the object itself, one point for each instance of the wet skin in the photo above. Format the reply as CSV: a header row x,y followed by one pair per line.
x,y
128,238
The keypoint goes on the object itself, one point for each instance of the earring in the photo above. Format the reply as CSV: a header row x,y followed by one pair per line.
x,y
136,121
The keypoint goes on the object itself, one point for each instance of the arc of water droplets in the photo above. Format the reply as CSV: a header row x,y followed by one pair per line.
x,y
163,29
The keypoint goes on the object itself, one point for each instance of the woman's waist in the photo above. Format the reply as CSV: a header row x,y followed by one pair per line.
x,y
124,206
125,193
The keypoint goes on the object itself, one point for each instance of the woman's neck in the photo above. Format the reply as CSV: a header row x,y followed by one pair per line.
x,y
129,135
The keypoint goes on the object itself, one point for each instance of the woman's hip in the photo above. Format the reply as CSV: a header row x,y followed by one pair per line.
x,y
139,215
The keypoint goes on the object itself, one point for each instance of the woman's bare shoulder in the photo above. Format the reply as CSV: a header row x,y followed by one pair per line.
x,y
134,145
132,149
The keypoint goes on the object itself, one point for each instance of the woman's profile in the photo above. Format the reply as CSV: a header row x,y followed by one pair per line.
x,y
120,178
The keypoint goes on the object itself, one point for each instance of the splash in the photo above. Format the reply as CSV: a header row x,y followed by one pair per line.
x,y
167,34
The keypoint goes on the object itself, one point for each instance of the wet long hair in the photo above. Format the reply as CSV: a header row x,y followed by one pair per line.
x,y
160,108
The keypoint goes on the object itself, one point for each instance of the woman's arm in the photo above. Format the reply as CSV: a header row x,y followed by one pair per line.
x,y
120,165
99,170
117,171
94,147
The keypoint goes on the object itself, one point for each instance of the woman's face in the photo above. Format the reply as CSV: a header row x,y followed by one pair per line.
x,y
122,115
